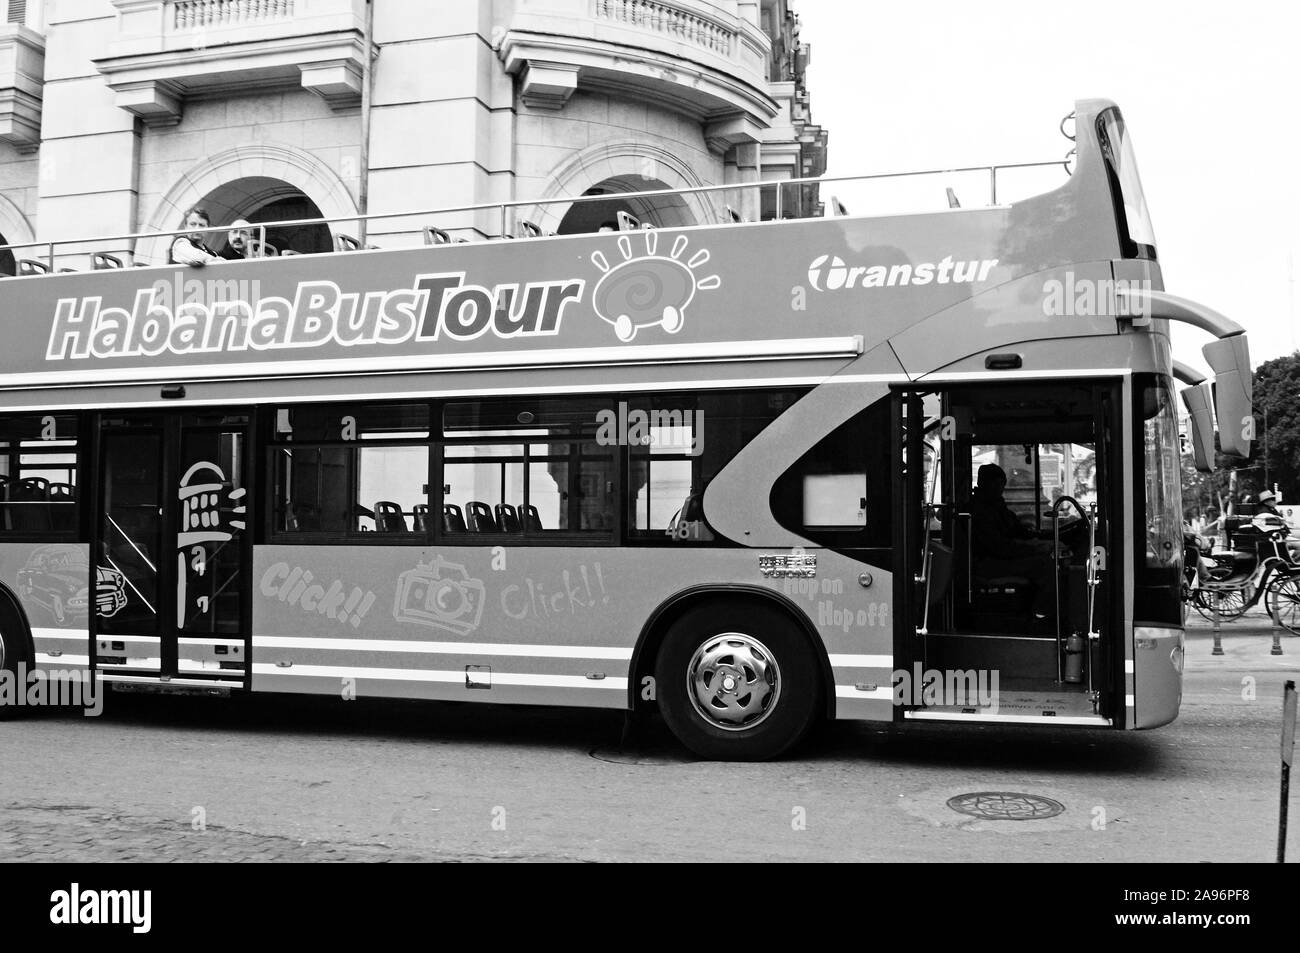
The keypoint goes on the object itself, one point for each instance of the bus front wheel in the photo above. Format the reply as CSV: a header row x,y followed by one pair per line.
x,y
737,682
12,652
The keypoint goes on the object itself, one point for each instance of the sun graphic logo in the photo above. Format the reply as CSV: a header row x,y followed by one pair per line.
x,y
648,289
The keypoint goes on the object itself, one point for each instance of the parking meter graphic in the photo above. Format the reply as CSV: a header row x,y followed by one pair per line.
x,y
440,595
649,290
201,498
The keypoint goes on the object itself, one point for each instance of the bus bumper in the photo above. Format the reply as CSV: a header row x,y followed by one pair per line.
x,y
1157,687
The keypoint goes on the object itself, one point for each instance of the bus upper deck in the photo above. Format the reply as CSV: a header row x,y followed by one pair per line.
x,y
905,295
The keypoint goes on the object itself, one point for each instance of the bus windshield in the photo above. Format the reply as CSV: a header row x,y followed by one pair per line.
x,y
1159,561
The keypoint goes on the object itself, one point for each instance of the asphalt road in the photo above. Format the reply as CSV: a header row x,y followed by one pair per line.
x,y
319,779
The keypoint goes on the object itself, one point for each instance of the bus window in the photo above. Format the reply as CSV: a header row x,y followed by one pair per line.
x,y
676,444
1039,474
838,493
526,468
351,470
38,475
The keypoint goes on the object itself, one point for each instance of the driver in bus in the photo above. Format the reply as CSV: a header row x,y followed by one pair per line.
x,y
1001,545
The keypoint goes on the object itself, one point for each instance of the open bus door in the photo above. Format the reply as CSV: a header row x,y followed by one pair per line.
x,y
1008,607
172,522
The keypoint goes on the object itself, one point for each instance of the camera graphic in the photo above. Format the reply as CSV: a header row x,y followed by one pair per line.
x,y
440,595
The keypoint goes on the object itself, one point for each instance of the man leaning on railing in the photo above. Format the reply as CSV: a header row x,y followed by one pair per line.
x,y
190,249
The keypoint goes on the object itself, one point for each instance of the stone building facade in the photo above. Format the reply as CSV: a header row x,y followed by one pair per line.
x,y
118,115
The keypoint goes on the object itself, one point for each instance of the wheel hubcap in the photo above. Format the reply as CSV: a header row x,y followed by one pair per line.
x,y
733,681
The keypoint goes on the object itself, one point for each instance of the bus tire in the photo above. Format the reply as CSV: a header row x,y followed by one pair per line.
x,y
15,649
737,682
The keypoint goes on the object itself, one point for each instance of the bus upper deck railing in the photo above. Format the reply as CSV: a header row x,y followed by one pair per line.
x,y
109,251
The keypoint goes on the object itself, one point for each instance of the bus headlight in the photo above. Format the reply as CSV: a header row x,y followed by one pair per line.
x,y
1176,657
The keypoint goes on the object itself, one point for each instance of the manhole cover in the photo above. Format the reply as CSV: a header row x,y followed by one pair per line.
x,y
1006,806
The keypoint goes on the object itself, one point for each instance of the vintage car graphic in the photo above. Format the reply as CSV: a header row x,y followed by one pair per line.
x,y
56,578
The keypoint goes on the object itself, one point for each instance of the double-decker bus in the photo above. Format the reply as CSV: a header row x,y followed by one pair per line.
x,y
728,472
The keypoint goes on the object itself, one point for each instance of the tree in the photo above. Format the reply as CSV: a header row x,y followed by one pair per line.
x,y
1277,398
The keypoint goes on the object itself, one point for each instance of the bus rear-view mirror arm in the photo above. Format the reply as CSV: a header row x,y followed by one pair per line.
x,y
1228,357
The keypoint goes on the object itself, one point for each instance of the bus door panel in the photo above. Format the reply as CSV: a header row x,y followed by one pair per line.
x,y
210,523
172,525
1029,601
129,539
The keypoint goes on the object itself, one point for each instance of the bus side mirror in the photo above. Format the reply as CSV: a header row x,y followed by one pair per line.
x,y
1198,402
1233,397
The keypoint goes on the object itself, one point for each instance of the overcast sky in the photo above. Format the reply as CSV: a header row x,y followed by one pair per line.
x,y
1208,91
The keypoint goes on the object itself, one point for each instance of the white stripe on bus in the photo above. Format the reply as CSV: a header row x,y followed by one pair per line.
x,y
64,634
45,658
124,678
1128,666
442,648
876,694
428,675
1128,701
862,661
847,346
1022,375
1012,719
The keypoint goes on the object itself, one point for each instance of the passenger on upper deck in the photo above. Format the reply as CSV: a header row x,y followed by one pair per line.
x,y
190,249
237,246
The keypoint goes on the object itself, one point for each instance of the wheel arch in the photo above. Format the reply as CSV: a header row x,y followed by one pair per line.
x,y
675,606
14,618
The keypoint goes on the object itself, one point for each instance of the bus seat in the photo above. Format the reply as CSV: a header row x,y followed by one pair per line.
x,y
289,251
532,520
453,521
346,243
436,236
507,518
626,222
530,229
63,516
30,266
31,512
420,517
389,518
102,261
480,518
260,249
